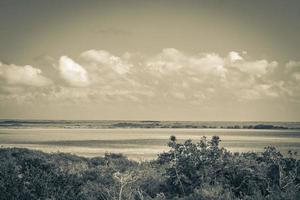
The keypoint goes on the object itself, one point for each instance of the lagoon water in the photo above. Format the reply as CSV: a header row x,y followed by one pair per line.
x,y
141,144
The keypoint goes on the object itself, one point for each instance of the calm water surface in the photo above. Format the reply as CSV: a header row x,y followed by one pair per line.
x,y
142,143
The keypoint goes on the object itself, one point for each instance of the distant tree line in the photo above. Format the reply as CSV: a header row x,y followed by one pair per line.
x,y
191,126
188,171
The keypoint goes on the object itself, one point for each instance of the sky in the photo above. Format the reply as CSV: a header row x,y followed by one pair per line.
x,y
150,60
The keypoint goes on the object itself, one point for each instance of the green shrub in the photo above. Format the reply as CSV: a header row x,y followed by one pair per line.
x,y
188,171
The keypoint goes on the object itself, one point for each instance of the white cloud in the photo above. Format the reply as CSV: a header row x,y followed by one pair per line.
x,y
260,91
179,95
172,75
296,76
167,61
106,59
209,63
258,68
23,75
293,65
293,70
172,60
234,56
73,73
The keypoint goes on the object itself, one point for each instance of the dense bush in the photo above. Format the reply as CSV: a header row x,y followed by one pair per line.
x,y
193,171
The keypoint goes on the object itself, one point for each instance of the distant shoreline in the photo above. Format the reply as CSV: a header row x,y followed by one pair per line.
x,y
10,127
107,124
145,129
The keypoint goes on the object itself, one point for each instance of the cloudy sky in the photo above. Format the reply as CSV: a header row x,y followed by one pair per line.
x,y
150,60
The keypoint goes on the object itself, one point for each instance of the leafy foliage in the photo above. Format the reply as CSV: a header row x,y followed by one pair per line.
x,y
188,171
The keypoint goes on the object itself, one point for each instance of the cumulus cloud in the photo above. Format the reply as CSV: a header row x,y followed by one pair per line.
x,y
173,60
293,70
257,68
260,91
72,72
292,65
234,56
196,67
208,77
167,61
169,76
296,76
23,75
105,59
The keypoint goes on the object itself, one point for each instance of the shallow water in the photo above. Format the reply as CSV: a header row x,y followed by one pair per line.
x,y
142,143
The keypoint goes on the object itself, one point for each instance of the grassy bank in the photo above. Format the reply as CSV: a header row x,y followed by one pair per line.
x,y
201,170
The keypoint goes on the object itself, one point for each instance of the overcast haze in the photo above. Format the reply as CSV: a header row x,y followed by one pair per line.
x,y
150,60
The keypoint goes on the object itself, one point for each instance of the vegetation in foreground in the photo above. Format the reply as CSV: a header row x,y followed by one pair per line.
x,y
193,171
